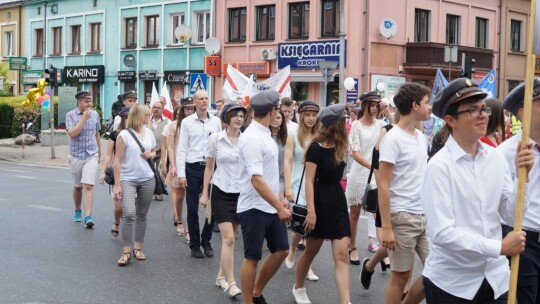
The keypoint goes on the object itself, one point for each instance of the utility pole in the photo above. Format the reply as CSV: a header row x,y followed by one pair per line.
x,y
44,35
341,50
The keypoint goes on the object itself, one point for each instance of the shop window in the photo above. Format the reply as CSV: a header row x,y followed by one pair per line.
x,y
421,25
330,18
175,20
75,39
57,40
515,35
237,24
299,91
266,22
8,44
38,47
95,37
298,20
481,32
129,86
202,27
452,29
152,31
130,33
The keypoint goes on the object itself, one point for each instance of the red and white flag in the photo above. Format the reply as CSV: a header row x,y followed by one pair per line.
x,y
168,110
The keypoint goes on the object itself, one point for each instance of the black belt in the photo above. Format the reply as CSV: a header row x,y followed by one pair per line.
x,y
531,235
202,163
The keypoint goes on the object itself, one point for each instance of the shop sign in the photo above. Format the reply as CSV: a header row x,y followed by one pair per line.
x,y
84,74
17,63
306,55
176,76
391,83
148,75
258,68
127,75
212,65
31,76
353,94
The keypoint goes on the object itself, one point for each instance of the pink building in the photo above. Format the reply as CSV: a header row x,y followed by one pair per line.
x,y
300,33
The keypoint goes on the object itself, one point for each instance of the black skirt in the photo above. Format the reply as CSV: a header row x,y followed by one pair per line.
x,y
224,206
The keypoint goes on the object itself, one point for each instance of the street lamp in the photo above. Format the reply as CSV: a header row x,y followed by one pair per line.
x,y
380,88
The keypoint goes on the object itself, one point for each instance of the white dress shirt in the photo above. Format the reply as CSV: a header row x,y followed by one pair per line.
x,y
259,155
463,197
531,211
227,157
194,138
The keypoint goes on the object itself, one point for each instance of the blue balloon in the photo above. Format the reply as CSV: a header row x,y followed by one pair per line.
x,y
45,103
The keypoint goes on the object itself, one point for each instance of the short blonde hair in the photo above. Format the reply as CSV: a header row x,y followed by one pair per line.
x,y
136,116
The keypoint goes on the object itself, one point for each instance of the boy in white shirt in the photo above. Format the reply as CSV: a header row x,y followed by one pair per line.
x,y
467,188
402,162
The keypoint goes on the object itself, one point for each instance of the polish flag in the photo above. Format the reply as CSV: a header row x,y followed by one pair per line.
x,y
168,111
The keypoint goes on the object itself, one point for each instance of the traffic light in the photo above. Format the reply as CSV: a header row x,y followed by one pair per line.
x,y
52,78
467,67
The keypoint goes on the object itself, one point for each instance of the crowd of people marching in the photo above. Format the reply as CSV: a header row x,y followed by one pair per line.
x,y
446,192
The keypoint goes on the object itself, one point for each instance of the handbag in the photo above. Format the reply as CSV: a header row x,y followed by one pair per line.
x,y
370,200
160,186
109,175
299,212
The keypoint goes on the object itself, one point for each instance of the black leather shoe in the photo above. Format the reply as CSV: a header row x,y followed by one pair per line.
x,y
259,300
365,275
208,251
196,253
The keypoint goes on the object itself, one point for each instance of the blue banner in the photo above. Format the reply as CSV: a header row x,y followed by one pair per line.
x,y
438,84
306,55
489,84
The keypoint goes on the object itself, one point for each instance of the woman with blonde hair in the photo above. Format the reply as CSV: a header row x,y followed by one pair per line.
x,y
134,178
297,142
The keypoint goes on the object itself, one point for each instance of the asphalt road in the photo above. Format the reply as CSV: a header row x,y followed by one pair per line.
x,y
47,258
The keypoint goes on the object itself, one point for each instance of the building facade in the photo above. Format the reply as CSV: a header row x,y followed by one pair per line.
x,y
109,47
12,18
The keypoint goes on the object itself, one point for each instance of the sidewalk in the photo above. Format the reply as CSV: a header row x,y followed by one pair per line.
x,y
37,154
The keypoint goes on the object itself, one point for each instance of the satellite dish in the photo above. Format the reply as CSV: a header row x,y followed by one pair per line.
x,y
388,28
182,33
212,45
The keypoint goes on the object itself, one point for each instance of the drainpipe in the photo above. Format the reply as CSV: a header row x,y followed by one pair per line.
x,y
341,98
366,41
45,35
499,49
19,51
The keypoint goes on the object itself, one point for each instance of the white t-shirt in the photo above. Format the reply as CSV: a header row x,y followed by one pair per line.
x,y
134,166
259,155
409,155
116,122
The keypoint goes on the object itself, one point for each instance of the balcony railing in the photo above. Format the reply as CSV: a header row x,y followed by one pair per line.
x,y
430,54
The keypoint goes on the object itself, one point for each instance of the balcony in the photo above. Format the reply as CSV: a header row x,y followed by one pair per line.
x,y
426,57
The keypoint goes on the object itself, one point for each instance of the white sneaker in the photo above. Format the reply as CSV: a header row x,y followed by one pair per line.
x,y
300,295
311,276
288,263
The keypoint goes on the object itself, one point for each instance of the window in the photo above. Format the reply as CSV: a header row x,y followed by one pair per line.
x,y
202,26
512,84
298,20
237,24
8,44
94,3
452,29
421,25
57,40
515,35
75,39
38,33
152,30
329,18
175,20
39,11
481,32
95,37
131,33
266,22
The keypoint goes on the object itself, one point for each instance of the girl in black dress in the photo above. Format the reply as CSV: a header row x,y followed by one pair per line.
x,y
327,216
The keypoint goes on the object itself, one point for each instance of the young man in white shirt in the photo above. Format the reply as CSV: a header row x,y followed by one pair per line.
x,y
529,263
287,107
467,188
402,162
262,214
195,132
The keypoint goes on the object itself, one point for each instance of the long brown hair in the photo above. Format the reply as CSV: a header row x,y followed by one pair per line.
x,y
334,135
282,130
179,118
304,131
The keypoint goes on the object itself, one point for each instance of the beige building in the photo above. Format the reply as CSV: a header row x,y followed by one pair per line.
x,y
11,29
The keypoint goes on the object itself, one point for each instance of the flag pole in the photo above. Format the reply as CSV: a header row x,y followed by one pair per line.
x,y
522,172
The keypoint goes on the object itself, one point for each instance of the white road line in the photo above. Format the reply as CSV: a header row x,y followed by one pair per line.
x,y
2,199
45,208
62,181
27,177
14,170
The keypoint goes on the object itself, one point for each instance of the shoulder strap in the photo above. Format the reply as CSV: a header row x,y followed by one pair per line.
x,y
300,186
142,149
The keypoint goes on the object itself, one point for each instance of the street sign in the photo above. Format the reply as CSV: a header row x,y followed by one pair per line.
x,y
17,63
198,82
450,53
212,65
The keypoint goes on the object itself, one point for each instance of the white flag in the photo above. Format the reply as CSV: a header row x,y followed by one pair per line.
x,y
168,110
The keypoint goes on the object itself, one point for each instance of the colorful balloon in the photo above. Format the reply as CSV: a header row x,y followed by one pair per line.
x,y
45,103
47,97
40,99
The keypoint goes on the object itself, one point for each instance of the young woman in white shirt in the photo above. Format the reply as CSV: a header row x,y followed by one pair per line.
x,y
223,157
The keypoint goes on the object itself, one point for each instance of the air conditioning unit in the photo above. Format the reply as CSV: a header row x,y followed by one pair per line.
x,y
268,54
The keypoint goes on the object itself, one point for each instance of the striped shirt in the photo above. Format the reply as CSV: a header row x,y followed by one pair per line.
x,y
83,145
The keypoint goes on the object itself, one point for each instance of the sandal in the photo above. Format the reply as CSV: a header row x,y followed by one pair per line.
x,y
233,290
137,253
114,232
187,236
180,229
124,259
354,262
221,282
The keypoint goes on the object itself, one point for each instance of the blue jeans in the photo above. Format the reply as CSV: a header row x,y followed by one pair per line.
x,y
194,177
485,295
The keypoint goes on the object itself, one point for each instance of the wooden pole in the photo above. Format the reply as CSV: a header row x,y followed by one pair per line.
x,y
526,127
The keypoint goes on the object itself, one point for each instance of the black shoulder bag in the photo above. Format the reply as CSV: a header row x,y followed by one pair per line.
x,y
299,212
160,186
370,200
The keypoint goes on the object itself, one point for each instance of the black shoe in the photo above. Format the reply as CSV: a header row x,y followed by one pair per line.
x,y
365,275
259,300
301,246
208,251
196,253
215,228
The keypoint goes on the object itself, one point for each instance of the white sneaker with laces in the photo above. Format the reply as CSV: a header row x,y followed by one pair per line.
x,y
300,295
288,263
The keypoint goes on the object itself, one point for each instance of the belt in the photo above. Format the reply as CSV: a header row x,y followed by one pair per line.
x,y
531,235
201,163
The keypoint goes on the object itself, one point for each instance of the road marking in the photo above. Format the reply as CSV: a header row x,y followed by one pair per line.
x,y
62,181
24,176
2,199
45,208
14,170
